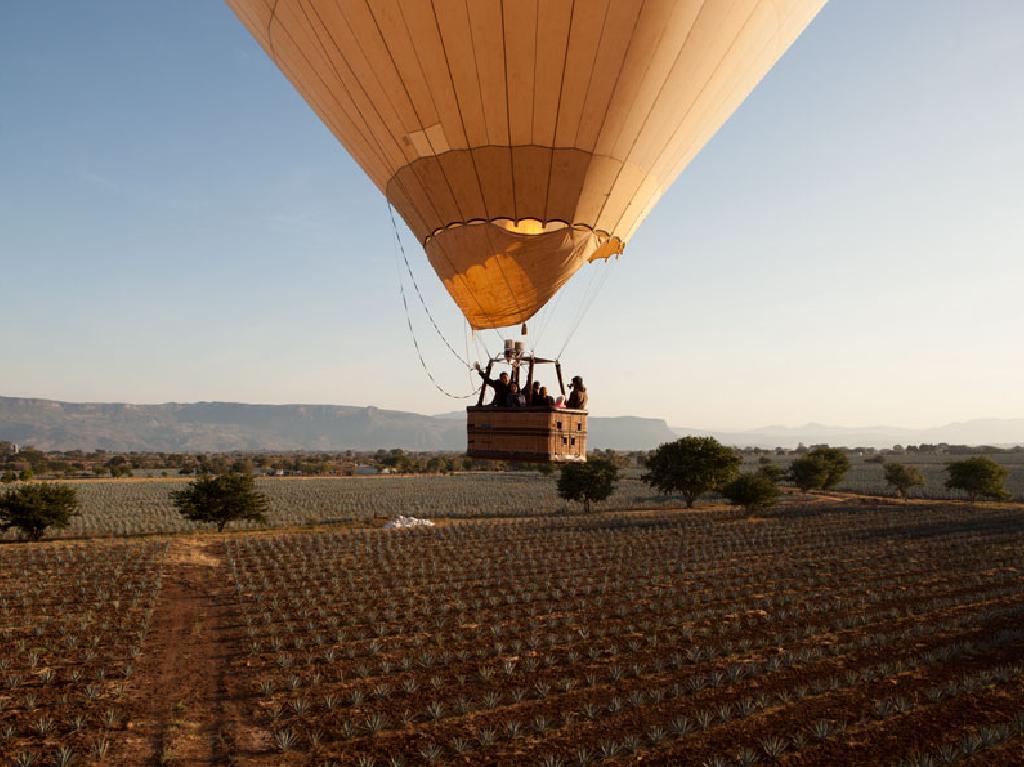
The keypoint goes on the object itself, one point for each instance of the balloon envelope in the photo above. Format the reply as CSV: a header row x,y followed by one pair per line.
x,y
521,139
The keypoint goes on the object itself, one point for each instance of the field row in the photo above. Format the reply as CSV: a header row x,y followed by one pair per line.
x,y
681,639
73,624
815,636
116,508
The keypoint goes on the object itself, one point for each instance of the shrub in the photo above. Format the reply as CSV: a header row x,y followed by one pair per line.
x,y
771,471
691,466
821,469
586,482
902,478
979,477
221,499
753,492
34,508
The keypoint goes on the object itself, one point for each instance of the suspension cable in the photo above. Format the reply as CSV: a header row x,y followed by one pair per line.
x,y
590,295
412,332
423,303
549,311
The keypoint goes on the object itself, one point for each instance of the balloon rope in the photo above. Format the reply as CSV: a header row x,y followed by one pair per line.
x,y
412,332
401,248
549,310
589,297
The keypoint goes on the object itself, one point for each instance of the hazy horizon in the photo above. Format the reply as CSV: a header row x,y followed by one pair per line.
x,y
441,414
176,225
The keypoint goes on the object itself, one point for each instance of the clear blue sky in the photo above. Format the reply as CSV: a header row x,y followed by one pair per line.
x,y
176,224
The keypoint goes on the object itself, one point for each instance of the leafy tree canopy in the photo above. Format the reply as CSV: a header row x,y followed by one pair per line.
x,y
754,492
691,466
31,509
979,477
820,469
587,482
221,499
903,478
772,471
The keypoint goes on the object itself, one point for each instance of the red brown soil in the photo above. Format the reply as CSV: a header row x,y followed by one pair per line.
x,y
178,688
189,710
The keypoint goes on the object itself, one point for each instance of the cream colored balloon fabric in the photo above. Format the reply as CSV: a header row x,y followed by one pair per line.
x,y
473,115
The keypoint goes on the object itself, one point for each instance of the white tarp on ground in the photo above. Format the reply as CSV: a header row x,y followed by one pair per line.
x,y
408,522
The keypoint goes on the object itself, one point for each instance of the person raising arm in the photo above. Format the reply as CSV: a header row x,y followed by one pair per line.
x,y
499,384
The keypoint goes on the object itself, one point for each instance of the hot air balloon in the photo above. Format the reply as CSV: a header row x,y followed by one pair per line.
x,y
523,139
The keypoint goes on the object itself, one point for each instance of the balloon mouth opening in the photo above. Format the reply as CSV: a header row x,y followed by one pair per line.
x,y
529,225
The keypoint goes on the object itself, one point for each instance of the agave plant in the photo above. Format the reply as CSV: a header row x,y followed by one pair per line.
x,y
431,753
284,740
773,746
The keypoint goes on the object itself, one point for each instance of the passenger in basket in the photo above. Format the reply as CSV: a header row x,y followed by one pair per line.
x,y
499,384
515,397
560,402
544,399
578,398
533,398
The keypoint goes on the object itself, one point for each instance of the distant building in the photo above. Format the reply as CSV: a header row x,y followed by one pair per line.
x,y
364,469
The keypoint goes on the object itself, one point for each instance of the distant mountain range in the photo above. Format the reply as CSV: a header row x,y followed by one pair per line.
x,y
1003,432
226,426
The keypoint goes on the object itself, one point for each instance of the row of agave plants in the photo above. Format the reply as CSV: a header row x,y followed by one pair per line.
x,y
115,508
681,639
72,624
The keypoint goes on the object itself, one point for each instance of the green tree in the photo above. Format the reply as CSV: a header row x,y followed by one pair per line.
x,y
691,466
221,499
243,465
34,508
837,463
903,478
755,491
8,476
822,468
587,482
979,477
772,471
26,475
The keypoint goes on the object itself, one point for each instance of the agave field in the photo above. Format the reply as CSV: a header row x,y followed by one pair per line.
x,y
833,634
73,621
133,507
118,508
821,637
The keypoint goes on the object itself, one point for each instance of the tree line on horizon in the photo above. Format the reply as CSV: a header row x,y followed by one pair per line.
x,y
694,466
28,463
689,467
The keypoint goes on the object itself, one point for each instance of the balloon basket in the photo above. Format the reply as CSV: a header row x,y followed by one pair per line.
x,y
526,434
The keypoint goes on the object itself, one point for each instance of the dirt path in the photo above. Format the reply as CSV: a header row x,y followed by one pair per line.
x,y
178,691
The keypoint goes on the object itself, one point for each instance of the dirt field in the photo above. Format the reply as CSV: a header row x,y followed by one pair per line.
x,y
844,633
